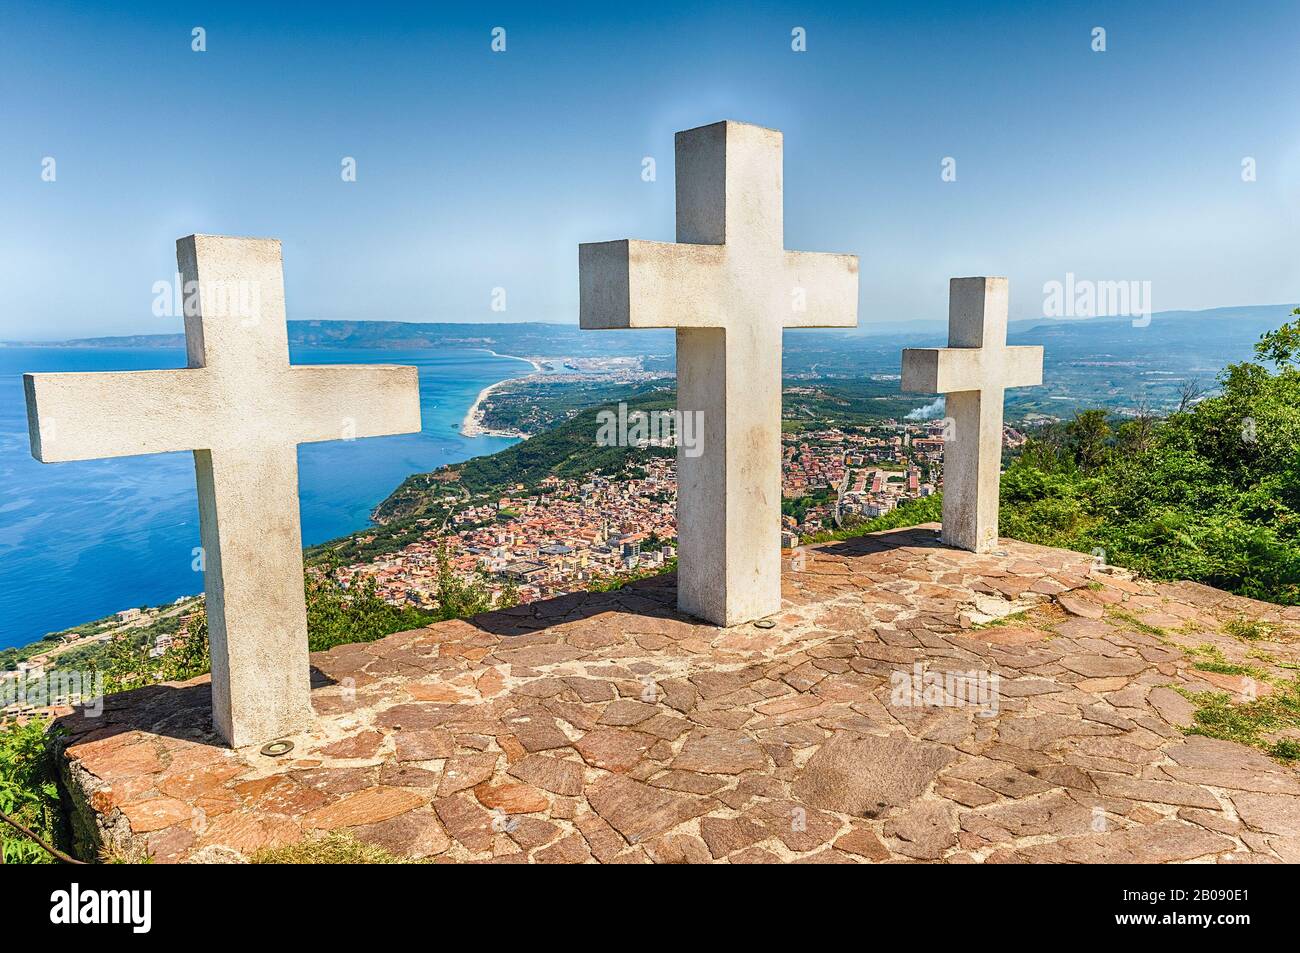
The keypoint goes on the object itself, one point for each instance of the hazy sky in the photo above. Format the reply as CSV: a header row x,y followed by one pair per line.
x,y
478,170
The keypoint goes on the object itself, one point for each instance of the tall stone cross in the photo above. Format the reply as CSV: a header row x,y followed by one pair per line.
x,y
728,286
243,410
973,371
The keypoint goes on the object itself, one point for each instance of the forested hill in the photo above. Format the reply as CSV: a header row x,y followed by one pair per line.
x,y
1210,493
567,451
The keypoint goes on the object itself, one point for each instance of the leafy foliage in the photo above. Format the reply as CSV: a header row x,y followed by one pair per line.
x,y
337,616
28,792
927,509
1283,345
458,597
1212,493
125,663
798,507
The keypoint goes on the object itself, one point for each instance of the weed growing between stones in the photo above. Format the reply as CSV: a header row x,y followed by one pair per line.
x,y
1256,723
1248,630
333,848
1139,626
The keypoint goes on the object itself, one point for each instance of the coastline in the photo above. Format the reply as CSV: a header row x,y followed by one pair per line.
x,y
472,425
29,620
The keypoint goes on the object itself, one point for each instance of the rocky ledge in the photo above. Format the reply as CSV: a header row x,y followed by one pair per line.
x,y
911,703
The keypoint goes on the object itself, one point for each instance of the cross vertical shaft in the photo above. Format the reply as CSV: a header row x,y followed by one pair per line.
x,y
257,619
974,372
972,459
729,287
729,193
249,521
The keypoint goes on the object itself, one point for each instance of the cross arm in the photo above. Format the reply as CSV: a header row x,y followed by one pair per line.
x,y
342,401
822,290
1023,366
637,284
82,416
947,370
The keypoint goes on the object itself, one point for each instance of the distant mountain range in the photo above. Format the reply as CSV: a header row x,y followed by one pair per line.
x,y
525,337
1109,361
540,338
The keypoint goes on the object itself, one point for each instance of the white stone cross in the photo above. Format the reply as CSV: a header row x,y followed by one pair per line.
x,y
973,371
243,410
729,287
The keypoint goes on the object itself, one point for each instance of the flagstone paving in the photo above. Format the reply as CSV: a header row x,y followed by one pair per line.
x,y
607,727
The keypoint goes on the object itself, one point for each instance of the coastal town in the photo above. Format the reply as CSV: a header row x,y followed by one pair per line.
x,y
564,535
52,673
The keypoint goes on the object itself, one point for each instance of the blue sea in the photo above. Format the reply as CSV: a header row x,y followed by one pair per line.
x,y
79,541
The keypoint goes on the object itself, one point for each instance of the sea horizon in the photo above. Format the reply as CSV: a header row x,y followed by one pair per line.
x,y
82,540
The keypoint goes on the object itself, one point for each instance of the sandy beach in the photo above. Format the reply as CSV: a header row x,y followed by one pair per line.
x,y
472,425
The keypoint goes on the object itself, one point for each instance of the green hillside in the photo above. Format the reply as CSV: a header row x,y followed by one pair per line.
x,y
567,450
1209,493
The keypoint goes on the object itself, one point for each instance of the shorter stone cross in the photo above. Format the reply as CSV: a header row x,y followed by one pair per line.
x,y
973,371
243,410
728,286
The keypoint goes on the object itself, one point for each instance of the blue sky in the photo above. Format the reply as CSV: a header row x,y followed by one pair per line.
x,y
478,170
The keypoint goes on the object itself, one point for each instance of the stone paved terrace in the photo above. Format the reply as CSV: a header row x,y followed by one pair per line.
x,y
526,734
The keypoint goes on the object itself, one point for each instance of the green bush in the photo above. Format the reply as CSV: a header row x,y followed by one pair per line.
x,y
1210,494
28,792
928,509
337,616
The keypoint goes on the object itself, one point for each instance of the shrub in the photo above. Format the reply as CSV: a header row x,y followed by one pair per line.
x,y
28,792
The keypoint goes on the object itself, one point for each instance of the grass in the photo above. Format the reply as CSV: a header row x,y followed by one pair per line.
x,y
1270,659
333,848
1251,722
1015,618
1230,668
1210,658
1135,623
1248,630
